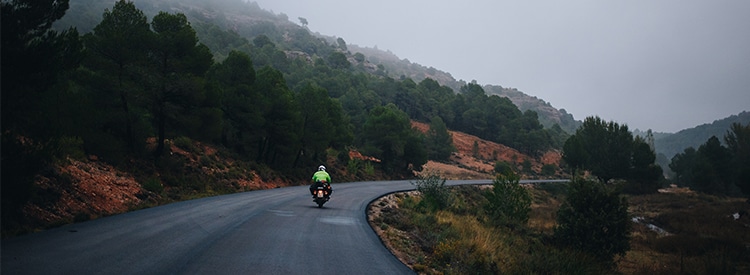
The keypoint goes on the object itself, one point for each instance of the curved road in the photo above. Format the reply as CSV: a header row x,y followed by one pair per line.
x,y
260,232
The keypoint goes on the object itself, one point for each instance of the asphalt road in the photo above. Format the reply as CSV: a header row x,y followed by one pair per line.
x,y
278,231
261,232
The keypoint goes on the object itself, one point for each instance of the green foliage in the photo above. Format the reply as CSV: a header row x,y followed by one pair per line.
x,y
352,166
594,220
454,241
387,134
34,58
153,185
435,195
323,123
233,81
498,119
70,147
714,168
279,141
178,63
359,57
549,170
369,168
738,143
415,153
119,47
673,144
185,143
439,141
508,203
604,148
609,151
526,166
682,164
503,168
645,176
129,80
341,43
338,60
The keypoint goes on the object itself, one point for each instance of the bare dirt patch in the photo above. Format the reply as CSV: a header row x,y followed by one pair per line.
x,y
473,162
84,189
79,190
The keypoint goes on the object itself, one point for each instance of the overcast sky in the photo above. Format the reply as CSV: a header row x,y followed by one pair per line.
x,y
665,65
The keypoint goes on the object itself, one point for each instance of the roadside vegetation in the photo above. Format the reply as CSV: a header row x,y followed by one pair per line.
x,y
272,96
613,217
559,231
190,106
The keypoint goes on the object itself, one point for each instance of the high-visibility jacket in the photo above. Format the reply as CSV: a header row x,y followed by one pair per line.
x,y
321,176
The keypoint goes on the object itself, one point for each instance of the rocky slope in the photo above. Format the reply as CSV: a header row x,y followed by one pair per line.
x,y
80,190
465,164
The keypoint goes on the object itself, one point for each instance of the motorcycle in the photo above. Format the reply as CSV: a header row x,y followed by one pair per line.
x,y
321,194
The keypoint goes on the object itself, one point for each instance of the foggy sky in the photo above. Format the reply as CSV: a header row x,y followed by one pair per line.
x,y
665,65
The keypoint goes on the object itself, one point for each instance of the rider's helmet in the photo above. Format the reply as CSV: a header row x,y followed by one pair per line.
x,y
321,168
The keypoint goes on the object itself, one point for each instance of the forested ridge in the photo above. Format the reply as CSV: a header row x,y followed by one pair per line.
x,y
672,144
188,98
122,87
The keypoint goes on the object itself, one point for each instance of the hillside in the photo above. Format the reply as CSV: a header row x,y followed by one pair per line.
x,y
468,163
247,109
548,115
676,143
397,67
80,190
251,20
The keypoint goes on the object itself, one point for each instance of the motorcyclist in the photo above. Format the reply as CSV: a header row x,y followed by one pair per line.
x,y
321,177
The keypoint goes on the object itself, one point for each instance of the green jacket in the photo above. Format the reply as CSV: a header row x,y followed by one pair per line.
x,y
321,175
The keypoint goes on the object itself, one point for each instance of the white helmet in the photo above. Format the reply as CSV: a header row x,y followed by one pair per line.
x,y
321,168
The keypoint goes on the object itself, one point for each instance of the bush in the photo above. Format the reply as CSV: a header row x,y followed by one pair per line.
x,y
526,167
369,168
502,167
185,143
594,220
549,170
508,203
434,193
153,185
71,147
352,166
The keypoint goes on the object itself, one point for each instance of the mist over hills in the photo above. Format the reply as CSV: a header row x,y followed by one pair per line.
x,y
672,144
246,20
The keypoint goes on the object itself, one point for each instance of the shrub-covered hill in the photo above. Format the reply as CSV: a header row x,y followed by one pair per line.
x,y
676,143
248,20
136,77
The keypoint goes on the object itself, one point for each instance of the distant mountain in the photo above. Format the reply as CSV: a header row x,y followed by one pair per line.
x,y
672,144
399,68
548,115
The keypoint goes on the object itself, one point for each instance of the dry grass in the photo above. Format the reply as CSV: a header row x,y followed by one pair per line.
x,y
485,245
543,214
703,236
